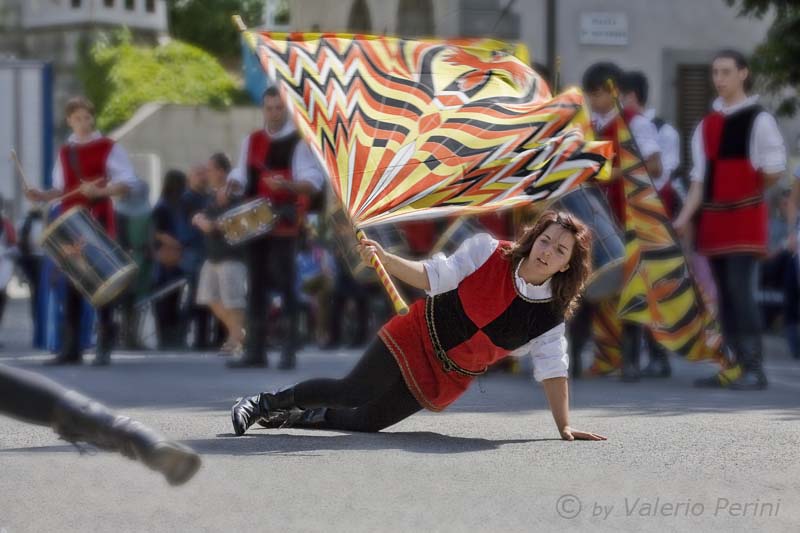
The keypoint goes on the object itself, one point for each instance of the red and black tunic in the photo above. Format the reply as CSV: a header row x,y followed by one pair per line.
x,y
448,339
83,163
268,157
733,216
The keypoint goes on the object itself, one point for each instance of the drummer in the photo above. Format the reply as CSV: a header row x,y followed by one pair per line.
x,y
274,163
97,169
604,122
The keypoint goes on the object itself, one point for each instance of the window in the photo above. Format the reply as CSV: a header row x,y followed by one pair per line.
x,y
76,3
108,3
130,5
695,94
150,6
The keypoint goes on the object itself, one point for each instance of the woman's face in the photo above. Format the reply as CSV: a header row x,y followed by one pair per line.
x,y
552,251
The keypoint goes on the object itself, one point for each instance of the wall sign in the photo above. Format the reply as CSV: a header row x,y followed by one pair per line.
x,y
604,28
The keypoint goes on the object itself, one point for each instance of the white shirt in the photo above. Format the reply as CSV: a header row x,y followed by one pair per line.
x,y
643,130
118,165
304,164
767,152
669,140
549,350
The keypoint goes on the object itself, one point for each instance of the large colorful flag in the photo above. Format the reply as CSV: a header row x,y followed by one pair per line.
x,y
421,129
659,289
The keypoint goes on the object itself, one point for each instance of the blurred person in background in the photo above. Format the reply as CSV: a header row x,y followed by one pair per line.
x,y
221,285
634,90
605,113
737,152
134,230
193,201
276,164
168,233
97,169
30,261
315,277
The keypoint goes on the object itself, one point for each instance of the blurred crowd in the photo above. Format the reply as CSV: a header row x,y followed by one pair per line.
x,y
191,291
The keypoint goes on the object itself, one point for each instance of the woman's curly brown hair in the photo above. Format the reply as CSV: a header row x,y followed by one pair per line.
x,y
567,285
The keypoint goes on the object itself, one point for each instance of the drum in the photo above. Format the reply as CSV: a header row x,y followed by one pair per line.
x,y
247,221
589,204
96,265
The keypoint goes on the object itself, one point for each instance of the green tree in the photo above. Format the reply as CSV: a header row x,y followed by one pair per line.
x,y
208,24
776,61
120,76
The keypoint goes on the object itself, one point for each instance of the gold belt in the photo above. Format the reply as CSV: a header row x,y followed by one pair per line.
x,y
448,365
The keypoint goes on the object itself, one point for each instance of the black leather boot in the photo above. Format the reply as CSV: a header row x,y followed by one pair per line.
x,y
268,409
281,406
76,418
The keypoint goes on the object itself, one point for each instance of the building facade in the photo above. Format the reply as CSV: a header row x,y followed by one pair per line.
x,y
57,31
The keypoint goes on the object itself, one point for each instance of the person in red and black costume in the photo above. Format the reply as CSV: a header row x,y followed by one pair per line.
x,y
430,356
100,169
737,153
604,122
275,163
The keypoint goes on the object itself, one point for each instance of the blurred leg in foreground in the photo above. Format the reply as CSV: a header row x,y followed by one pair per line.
x,y
37,400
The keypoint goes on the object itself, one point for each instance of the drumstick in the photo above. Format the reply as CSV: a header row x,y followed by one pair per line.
x,y
20,170
397,301
73,192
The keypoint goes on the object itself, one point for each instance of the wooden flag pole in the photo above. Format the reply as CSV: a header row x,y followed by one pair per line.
x,y
400,306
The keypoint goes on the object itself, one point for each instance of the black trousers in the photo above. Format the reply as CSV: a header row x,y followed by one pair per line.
x,y
271,266
735,277
71,332
373,396
27,396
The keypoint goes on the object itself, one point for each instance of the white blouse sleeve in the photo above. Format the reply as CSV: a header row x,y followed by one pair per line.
x,y
768,153
698,155
305,167
445,273
549,354
670,142
646,136
239,172
119,167
57,178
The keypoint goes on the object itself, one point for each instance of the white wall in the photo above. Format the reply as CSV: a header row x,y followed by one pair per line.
x,y
164,136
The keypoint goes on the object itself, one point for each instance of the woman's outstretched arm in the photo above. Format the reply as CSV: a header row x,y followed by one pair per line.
x,y
557,392
411,272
